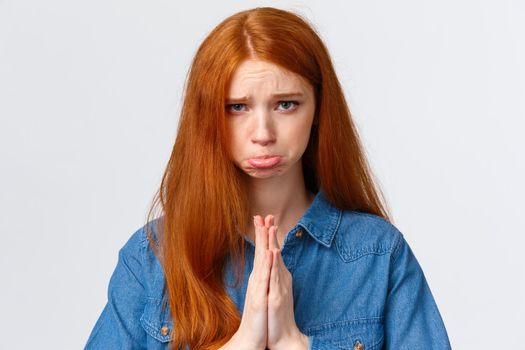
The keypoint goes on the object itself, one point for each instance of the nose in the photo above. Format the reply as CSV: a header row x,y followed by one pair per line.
x,y
264,129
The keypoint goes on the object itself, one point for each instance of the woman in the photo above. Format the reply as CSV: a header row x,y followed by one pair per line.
x,y
272,233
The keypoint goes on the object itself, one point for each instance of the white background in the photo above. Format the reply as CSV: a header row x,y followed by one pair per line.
x,y
89,96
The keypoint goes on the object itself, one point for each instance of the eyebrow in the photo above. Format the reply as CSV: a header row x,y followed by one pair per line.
x,y
282,95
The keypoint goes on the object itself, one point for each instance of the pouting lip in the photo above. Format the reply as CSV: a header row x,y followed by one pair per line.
x,y
265,156
265,162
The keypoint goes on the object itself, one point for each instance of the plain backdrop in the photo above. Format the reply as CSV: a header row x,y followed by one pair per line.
x,y
89,98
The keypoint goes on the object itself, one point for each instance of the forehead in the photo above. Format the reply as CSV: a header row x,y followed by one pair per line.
x,y
255,74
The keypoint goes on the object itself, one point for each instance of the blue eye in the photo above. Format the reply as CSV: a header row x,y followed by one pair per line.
x,y
235,107
287,105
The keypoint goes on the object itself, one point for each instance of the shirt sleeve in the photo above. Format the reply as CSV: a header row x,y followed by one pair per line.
x,y
118,325
412,319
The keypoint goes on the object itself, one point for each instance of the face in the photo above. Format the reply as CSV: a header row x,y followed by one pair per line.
x,y
270,112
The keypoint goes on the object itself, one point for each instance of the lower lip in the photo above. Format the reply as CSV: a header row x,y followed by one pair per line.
x,y
264,163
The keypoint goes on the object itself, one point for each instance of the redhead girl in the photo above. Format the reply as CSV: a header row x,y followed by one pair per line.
x,y
272,233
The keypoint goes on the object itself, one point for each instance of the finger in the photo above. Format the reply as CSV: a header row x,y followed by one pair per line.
x,y
266,273
261,239
276,255
274,276
272,243
257,239
268,220
259,243
260,220
280,261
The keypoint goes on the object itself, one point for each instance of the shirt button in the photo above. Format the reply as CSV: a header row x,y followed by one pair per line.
x,y
299,233
164,330
358,346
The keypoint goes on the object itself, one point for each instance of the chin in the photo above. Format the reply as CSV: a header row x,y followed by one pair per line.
x,y
264,173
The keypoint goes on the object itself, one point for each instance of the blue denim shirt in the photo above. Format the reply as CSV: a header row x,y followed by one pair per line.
x,y
356,285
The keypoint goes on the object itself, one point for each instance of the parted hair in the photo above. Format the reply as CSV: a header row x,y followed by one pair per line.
x,y
202,201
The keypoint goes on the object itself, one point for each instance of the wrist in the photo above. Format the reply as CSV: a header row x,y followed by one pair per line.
x,y
298,341
303,341
238,342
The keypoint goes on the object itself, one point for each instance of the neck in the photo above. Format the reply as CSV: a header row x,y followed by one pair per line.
x,y
284,196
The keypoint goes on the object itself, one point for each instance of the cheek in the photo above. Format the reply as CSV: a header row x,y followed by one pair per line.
x,y
304,127
297,137
303,138
237,139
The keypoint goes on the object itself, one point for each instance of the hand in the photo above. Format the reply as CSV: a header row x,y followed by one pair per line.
x,y
253,330
283,332
268,316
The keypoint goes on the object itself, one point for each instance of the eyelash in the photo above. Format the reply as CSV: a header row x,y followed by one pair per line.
x,y
295,103
229,107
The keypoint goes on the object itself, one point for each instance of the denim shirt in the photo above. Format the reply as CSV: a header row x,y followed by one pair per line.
x,y
356,285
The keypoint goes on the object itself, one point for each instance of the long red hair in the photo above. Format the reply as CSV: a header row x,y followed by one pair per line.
x,y
202,195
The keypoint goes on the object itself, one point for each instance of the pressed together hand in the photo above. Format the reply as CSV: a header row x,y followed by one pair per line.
x,y
268,318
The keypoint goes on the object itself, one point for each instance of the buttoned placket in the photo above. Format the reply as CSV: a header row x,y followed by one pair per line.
x,y
288,250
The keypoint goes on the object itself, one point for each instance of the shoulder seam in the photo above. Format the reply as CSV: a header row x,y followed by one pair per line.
x,y
143,243
396,246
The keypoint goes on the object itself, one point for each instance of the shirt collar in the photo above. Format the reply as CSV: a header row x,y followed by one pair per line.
x,y
321,220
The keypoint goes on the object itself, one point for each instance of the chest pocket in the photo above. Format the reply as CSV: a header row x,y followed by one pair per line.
x,y
364,334
156,320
